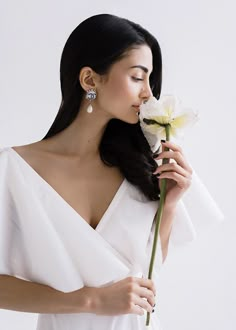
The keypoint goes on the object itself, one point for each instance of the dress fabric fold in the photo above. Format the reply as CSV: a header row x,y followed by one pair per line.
x,y
44,240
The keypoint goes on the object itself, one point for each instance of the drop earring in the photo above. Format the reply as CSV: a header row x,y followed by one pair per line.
x,y
90,95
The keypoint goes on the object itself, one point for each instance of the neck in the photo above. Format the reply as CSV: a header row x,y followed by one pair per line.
x,y
83,136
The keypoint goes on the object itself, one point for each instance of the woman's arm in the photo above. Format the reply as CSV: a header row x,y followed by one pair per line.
x,y
165,229
178,175
24,296
122,297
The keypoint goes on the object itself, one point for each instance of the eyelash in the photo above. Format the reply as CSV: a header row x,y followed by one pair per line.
x,y
137,79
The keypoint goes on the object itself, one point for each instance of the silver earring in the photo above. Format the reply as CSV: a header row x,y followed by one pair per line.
x,y
90,95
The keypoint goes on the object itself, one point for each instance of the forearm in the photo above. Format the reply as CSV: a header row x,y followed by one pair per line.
x,y
24,296
165,228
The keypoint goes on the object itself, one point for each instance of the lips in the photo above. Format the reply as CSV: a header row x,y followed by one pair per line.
x,y
137,107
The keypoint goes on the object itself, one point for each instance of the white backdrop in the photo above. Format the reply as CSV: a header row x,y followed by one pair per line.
x,y
197,284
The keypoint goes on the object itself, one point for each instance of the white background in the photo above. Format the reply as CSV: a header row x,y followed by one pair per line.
x,y
197,284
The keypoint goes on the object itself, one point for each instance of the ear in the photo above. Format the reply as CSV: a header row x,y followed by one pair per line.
x,y
88,78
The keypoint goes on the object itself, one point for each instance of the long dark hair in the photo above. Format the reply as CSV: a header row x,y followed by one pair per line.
x,y
98,42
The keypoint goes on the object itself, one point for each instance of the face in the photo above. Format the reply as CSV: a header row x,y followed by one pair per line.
x,y
127,85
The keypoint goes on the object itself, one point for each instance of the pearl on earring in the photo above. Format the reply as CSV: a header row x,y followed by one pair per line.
x,y
90,108
90,95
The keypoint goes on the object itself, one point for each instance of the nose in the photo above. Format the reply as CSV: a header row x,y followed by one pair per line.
x,y
146,92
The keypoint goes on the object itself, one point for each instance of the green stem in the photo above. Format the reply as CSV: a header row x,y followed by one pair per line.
x,y
158,214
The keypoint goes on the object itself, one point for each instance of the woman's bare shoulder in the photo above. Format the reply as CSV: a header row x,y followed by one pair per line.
x,y
31,147
33,153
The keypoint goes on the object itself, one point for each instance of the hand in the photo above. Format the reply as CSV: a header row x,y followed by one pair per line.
x,y
125,297
178,173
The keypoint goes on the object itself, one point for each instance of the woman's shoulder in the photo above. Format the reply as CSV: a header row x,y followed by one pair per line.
x,y
19,149
28,150
9,155
32,153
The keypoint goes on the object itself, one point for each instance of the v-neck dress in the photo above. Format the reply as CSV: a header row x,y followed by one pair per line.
x,y
44,240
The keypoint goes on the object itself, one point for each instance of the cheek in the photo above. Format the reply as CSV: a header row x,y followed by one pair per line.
x,y
122,89
121,92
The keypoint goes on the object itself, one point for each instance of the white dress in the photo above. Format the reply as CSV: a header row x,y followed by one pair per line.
x,y
44,240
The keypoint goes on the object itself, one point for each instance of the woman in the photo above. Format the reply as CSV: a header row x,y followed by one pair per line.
x,y
77,207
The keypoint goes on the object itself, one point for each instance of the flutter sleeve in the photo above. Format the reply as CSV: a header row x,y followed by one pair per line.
x,y
9,230
195,212
44,240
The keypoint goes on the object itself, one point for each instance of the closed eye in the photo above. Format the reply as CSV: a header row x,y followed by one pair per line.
x,y
137,79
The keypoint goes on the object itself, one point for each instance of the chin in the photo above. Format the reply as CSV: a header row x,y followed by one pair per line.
x,y
131,121
136,119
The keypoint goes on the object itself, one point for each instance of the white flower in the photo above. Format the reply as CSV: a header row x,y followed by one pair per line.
x,y
163,119
156,114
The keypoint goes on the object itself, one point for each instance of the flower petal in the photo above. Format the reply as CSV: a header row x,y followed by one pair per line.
x,y
167,110
184,120
152,107
169,104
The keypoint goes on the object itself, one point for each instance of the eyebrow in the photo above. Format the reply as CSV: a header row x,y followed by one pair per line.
x,y
140,67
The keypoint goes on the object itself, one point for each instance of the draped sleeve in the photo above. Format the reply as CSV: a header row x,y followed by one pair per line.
x,y
14,258
42,239
10,239
195,212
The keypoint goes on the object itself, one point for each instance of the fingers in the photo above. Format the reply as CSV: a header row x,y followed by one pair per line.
x,y
176,154
144,294
172,146
147,294
147,283
171,167
137,310
132,295
143,304
182,181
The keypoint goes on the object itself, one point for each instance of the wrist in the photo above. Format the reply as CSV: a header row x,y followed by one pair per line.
x,y
85,300
169,208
